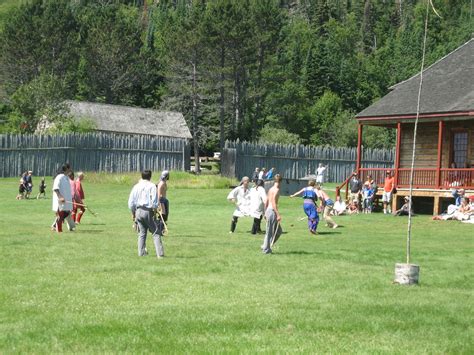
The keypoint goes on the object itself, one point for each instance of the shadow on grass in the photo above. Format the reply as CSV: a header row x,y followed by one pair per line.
x,y
327,233
296,252
86,231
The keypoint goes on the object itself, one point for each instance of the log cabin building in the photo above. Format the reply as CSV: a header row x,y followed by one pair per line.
x,y
445,136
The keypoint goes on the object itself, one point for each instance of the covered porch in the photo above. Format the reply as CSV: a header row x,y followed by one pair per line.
x,y
444,152
444,156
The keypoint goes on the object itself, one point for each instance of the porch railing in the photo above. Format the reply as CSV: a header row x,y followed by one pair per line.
x,y
423,178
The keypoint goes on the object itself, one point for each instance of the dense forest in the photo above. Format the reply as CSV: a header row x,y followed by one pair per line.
x,y
293,71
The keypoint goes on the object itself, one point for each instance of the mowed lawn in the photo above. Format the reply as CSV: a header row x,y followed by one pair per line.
x,y
88,291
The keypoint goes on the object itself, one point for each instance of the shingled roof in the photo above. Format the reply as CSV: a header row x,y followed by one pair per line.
x,y
448,87
126,119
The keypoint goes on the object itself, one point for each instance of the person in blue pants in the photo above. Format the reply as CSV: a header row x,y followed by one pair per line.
x,y
309,205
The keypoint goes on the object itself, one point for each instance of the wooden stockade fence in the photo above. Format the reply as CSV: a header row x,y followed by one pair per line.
x,y
101,152
296,161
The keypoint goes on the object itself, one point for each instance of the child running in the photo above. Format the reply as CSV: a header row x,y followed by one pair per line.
x,y
42,190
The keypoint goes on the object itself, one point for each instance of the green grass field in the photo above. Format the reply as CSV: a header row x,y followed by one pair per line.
x,y
88,291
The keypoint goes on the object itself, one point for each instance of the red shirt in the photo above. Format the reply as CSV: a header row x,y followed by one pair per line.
x,y
388,185
79,190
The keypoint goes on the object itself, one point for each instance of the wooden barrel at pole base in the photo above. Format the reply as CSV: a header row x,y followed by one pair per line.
x,y
406,274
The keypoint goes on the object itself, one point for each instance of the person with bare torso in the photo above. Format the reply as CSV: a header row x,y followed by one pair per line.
x,y
273,217
162,187
327,205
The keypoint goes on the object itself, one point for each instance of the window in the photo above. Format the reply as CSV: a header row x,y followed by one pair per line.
x,y
459,155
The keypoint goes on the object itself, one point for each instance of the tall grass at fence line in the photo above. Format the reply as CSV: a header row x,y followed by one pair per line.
x,y
178,179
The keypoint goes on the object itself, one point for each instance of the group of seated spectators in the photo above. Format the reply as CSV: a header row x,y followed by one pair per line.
x,y
461,210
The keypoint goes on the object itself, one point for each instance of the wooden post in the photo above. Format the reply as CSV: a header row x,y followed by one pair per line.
x,y
440,153
397,156
394,202
359,147
436,206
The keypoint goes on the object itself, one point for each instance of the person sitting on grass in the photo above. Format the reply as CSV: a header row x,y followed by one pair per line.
x,y
462,213
340,206
353,208
404,210
465,211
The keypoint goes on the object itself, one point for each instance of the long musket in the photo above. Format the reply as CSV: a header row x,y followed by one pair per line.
x,y
274,235
85,206
165,232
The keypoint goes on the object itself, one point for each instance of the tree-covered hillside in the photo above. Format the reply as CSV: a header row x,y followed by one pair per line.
x,y
247,69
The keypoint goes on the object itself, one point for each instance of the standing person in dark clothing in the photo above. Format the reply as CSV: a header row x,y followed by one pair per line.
x,y
258,198
255,175
28,183
355,187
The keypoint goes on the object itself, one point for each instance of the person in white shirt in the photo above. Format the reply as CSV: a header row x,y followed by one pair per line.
x,y
339,206
262,174
320,174
241,197
143,202
62,198
258,198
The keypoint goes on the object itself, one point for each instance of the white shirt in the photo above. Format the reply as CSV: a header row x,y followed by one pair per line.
x,y
339,206
320,174
143,194
61,183
242,201
258,197
261,175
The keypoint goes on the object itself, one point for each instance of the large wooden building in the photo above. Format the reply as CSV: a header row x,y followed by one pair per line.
x,y
445,136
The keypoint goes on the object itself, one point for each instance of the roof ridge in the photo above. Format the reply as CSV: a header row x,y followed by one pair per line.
x,y
424,70
120,106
